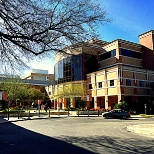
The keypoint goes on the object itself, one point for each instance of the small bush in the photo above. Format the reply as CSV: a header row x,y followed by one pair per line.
x,y
121,105
77,109
72,108
13,110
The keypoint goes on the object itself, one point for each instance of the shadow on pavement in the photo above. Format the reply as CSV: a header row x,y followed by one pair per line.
x,y
123,119
106,144
132,119
17,140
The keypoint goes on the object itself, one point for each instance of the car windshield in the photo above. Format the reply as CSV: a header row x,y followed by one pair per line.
x,y
116,111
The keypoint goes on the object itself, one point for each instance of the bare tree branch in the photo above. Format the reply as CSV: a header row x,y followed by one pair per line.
x,y
34,27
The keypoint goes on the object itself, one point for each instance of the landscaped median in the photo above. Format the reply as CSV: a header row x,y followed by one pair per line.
x,y
146,115
12,113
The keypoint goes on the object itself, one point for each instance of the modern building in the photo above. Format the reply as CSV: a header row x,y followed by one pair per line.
x,y
72,69
112,71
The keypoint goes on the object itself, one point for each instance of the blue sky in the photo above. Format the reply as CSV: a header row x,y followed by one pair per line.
x,y
130,18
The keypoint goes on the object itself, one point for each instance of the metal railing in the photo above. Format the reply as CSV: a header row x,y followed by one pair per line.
x,y
50,113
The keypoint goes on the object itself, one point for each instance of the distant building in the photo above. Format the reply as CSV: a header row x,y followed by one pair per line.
x,y
38,74
38,79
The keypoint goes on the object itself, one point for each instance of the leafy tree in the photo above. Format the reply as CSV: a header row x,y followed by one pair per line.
x,y
35,94
122,105
19,91
82,104
33,27
13,86
71,91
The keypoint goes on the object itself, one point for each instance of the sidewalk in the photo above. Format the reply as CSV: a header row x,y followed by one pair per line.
x,y
15,119
143,129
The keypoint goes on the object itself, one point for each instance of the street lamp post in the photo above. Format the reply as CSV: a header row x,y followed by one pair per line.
x,y
8,103
8,110
145,108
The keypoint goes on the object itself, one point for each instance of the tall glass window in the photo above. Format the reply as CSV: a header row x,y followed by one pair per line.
x,y
56,71
128,82
141,83
130,53
113,53
108,54
77,67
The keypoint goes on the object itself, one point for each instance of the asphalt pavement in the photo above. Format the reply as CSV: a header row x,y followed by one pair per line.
x,y
143,129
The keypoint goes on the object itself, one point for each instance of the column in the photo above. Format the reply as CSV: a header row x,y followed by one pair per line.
x,y
57,105
95,102
120,98
54,106
106,102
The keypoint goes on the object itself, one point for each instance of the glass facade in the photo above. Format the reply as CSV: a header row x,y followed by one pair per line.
x,y
128,82
130,53
141,83
108,54
75,68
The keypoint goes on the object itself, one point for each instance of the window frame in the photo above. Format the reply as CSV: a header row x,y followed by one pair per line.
x,y
111,83
90,86
99,84
128,82
141,83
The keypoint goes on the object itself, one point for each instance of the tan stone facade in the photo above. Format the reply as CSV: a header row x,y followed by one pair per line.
x,y
124,77
64,94
109,86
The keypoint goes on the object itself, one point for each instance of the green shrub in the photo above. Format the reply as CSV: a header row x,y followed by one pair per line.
x,y
14,110
77,109
122,105
82,104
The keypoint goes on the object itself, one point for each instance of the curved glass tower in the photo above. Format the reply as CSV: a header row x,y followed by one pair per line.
x,y
75,67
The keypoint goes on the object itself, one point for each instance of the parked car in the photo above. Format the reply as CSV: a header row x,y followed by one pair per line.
x,y
116,113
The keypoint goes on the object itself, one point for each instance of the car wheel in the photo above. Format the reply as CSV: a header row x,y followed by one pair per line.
x,y
107,117
124,117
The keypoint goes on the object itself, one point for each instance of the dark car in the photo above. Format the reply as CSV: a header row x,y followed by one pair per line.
x,y
116,113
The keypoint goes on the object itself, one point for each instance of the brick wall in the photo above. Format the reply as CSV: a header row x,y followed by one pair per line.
x,y
107,62
146,40
131,61
148,58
